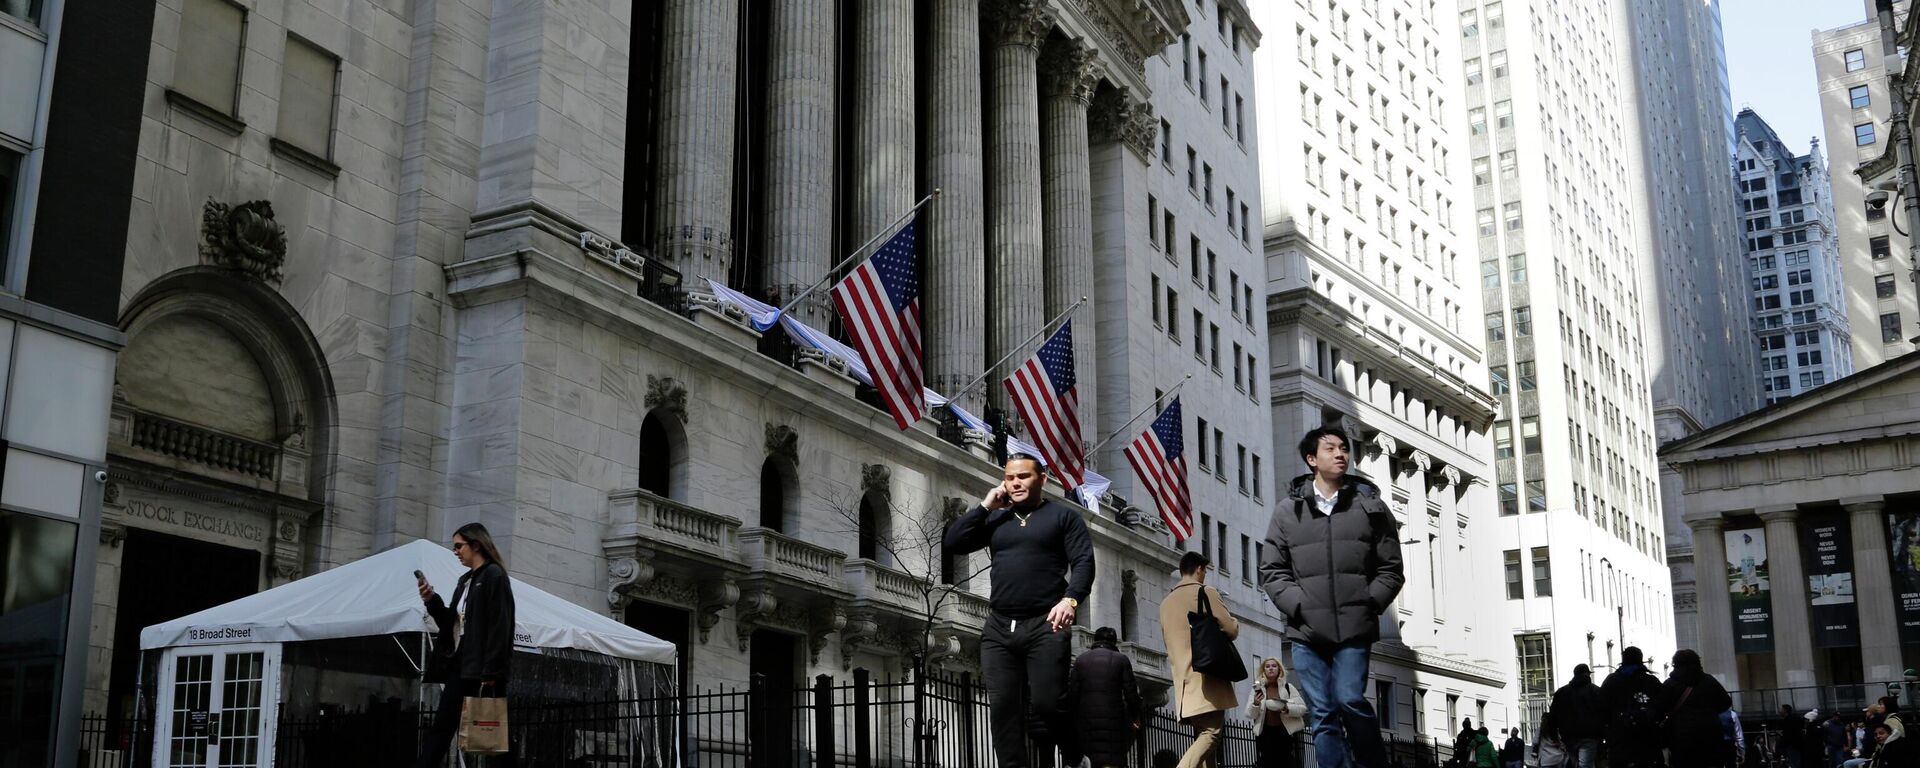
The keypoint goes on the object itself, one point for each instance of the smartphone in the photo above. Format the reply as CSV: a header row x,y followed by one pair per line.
x,y
420,577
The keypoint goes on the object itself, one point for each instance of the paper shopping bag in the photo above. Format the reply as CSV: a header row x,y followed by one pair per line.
x,y
483,725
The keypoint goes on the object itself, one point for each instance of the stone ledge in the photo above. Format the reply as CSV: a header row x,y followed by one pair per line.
x,y
228,124
302,157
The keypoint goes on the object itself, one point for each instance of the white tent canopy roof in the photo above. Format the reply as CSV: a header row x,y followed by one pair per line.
x,y
376,596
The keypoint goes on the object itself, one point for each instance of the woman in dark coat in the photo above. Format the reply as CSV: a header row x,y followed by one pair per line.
x,y
1693,718
1104,701
474,648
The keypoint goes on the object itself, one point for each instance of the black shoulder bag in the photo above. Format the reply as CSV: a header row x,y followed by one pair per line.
x,y
1213,652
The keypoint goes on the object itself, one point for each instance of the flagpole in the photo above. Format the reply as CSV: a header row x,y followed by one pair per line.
x,y
856,254
955,397
1136,417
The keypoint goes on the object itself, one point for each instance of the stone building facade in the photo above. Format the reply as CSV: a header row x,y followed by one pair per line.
x,y
479,294
1803,570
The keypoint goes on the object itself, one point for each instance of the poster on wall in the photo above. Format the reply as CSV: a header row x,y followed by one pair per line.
x,y
1751,590
1827,546
1903,538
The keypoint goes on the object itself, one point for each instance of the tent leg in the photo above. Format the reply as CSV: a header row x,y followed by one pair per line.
x,y
139,684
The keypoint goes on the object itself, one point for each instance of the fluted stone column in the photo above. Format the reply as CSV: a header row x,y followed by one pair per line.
x,y
1067,197
1716,604
956,268
1122,132
883,115
800,162
1873,593
1787,575
1015,240
697,137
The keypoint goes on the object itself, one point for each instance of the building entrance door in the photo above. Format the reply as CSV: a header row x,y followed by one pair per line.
x,y
217,706
162,578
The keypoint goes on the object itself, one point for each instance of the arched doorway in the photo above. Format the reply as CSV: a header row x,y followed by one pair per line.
x,y
779,493
663,456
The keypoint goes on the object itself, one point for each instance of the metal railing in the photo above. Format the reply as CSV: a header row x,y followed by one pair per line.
x,y
1847,700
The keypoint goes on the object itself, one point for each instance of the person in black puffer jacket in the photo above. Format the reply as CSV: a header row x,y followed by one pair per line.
x,y
1692,721
1578,717
1634,708
1104,701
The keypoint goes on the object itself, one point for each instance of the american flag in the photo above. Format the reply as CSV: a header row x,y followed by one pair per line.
x,y
1158,456
1043,391
880,304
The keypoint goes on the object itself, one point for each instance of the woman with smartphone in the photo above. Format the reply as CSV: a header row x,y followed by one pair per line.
x,y
473,650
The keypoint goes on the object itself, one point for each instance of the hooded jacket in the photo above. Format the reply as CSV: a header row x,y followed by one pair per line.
x,y
1897,752
1104,700
1579,711
1332,575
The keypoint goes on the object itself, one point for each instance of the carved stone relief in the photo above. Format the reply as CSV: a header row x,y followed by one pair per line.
x,y
243,238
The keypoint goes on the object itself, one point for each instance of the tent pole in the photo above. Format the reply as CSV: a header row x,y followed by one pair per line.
x,y
139,684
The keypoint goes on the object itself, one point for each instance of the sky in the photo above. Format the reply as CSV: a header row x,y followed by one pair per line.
x,y
1770,59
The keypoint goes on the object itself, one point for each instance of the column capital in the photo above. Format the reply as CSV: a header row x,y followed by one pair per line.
x,y
1778,513
1070,69
1865,505
1118,116
1022,23
1710,522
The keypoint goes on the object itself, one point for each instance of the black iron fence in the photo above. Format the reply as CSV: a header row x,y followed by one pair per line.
x,y
929,722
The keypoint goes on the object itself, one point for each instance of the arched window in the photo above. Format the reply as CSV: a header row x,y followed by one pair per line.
x,y
663,457
779,493
875,527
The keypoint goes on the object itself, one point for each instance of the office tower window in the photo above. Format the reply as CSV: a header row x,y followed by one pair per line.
x,y
1890,328
1542,573
1863,134
1859,96
207,63
1516,588
1856,60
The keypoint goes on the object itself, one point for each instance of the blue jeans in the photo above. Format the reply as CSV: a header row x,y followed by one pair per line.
x,y
1581,752
1333,680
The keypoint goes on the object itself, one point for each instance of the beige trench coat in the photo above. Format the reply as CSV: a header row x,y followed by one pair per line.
x,y
1194,693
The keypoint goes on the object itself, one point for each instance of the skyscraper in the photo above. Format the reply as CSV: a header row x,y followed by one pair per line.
x,y
1552,128
1854,103
1372,323
1798,300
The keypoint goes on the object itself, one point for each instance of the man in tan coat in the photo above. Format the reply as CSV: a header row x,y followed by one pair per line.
x,y
1202,701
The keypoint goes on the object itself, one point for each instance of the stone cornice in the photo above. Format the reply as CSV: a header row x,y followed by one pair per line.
x,y
1427,662
1316,309
1125,32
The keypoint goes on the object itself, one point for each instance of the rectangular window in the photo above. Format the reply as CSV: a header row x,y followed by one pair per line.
x,y
1535,653
1511,212
1203,77
1213,346
1193,258
1208,196
1503,440
1516,588
1153,221
1199,340
1530,434
1239,368
1503,114
1522,322
1497,64
1156,302
36,579
1496,327
1890,328
1239,117
1186,58
1517,268
1856,60
1246,557
1213,274
308,78
1193,171
1166,144
1523,370
1241,466
1482,171
1477,120
1256,477
1883,286
1536,495
1863,134
1201,430
1880,247
1542,574
1246,229
1173,315
1486,222
1497,377
207,62
1859,97
1219,454
1383,701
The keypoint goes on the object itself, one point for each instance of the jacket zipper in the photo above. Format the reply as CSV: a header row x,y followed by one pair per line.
x,y
1332,596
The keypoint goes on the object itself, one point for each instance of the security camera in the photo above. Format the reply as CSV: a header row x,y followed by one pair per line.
x,y
100,476
1877,199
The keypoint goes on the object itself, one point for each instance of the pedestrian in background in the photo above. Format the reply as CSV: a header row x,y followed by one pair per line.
x,y
1201,700
1634,708
1513,753
1577,717
1485,755
1103,700
1894,749
1268,706
1692,722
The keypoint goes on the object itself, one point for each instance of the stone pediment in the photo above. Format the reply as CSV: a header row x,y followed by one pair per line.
x,y
1880,402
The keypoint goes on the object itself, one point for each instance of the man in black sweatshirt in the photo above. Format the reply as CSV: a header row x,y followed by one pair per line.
x,y
1042,569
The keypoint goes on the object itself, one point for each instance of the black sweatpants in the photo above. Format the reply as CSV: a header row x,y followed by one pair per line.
x,y
1025,665
446,723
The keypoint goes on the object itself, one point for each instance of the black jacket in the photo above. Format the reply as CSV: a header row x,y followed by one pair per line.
x,y
1896,753
1694,703
1332,575
1034,565
1104,702
486,647
1579,711
1634,704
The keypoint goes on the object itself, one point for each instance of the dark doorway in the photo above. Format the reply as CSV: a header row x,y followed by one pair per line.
x,y
774,664
667,623
163,578
656,457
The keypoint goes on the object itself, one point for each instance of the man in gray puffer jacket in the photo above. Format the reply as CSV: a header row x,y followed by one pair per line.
x,y
1332,565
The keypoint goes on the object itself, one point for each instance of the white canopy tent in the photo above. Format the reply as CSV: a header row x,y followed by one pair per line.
x,y
376,596
223,664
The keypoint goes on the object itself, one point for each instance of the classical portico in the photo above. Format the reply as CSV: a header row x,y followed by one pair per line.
x,y
1834,466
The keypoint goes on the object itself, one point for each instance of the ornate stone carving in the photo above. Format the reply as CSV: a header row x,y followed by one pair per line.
x,y
716,596
1017,22
1452,476
112,534
825,623
111,494
718,306
859,630
668,395
784,442
295,438
624,574
1422,461
243,238
754,607
1386,443
876,478
667,590
1070,68
1117,116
